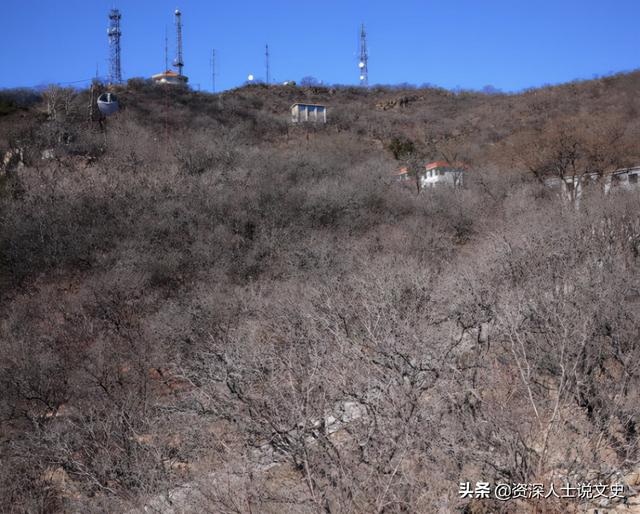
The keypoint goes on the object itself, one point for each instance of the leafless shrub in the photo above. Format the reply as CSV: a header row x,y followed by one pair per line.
x,y
199,299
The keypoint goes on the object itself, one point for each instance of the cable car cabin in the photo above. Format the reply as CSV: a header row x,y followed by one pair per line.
x,y
108,103
308,113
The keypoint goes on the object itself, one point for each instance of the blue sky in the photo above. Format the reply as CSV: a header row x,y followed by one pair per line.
x,y
451,43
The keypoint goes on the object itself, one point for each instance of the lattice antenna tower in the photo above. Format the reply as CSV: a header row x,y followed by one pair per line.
x,y
114,33
363,62
178,62
266,63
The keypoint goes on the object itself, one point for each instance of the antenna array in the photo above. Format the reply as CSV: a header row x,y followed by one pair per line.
x,y
115,70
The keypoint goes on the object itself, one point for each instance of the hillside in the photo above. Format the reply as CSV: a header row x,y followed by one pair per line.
x,y
207,309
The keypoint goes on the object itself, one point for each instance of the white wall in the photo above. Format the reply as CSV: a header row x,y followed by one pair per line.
x,y
433,178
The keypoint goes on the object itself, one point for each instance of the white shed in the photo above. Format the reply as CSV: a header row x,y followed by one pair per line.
x,y
308,112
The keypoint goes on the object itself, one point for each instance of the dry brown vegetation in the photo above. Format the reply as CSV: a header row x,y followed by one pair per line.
x,y
204,309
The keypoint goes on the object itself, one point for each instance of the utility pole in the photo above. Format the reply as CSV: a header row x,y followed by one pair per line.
x,y
363,63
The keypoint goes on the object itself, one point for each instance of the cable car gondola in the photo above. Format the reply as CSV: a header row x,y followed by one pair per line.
x,y
108,104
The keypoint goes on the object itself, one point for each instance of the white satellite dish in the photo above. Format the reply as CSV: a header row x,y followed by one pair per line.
x,y
361,65
250,77
361,77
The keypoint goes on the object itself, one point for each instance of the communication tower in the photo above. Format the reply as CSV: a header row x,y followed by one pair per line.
x,y
114,33
363,63
178,62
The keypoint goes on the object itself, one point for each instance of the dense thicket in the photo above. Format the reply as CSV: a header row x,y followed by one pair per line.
x,y
206,309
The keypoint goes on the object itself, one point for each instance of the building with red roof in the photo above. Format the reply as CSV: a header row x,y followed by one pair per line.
x,y
437,173
169,77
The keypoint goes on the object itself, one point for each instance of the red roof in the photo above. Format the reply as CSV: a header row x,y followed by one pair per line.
x,y
443,164
168,73
402,171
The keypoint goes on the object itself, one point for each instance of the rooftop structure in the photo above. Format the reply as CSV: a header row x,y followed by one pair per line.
x,y
169,77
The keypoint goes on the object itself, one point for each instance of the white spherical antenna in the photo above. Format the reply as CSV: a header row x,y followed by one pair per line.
x,y
361,77
250,77
361,65
177,13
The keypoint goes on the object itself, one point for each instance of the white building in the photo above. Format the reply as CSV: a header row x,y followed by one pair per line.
x,y
169,77
572,187
436,174
442,173
308,112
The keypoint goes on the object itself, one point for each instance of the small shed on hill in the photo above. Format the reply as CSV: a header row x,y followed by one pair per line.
x,y
308,112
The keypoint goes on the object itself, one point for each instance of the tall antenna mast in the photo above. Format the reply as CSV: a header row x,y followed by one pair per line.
x,y
363,63
178,61
166,49
114,33
213,70
266,60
